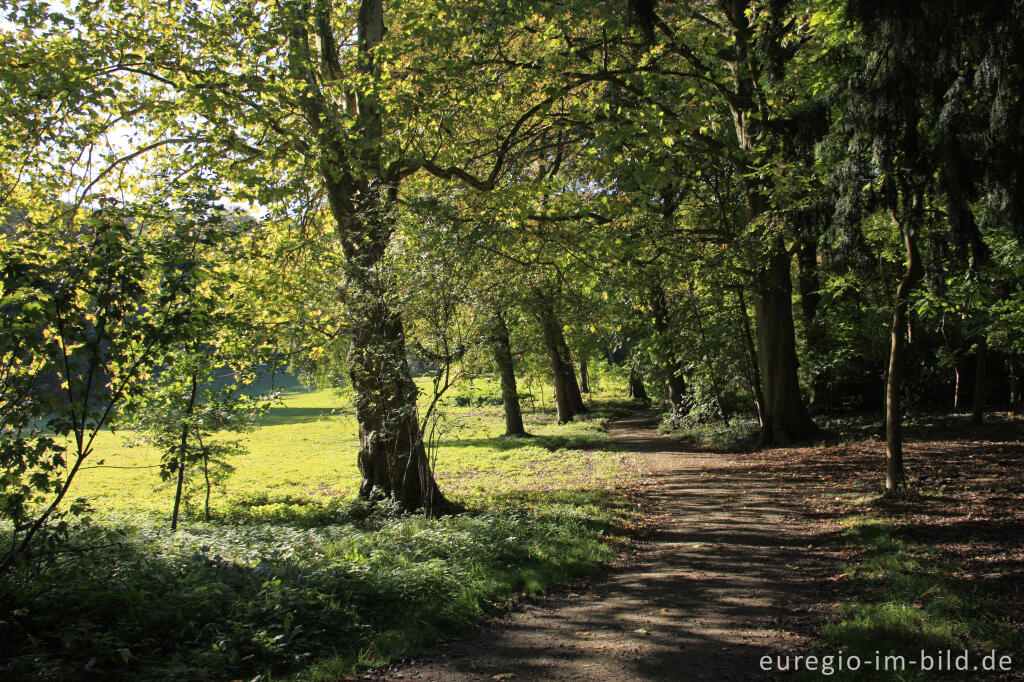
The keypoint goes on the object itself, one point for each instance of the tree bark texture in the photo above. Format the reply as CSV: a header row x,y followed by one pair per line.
x,y
502,348
786,417
568,399
392,457
895,475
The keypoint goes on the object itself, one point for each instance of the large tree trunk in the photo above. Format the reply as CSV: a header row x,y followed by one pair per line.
x,y
786,418
980,384
814,332
895,476
673,369
502,348
392,457
568,399
361,193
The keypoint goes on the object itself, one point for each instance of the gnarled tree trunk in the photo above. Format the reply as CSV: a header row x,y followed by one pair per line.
x,y
361,194
392,457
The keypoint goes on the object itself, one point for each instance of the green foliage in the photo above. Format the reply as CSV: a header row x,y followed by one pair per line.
x,y
180,420
741,433
397,191
89,310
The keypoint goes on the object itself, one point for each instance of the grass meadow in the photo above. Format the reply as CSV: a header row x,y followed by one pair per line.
x,y
292,578
304,455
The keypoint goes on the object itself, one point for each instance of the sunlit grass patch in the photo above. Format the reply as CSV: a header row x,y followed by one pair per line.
x,y
303,458
306,446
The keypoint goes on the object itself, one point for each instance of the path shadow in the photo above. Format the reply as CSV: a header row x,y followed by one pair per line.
x,y
724,575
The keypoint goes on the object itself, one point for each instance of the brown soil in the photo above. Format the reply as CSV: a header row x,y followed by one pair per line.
x,y
731,570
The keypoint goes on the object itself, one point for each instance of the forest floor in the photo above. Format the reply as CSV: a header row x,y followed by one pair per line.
x,y
785,551
728,569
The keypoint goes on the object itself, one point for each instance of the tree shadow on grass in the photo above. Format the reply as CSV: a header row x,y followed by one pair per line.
x,y
277,416
596,498
548,442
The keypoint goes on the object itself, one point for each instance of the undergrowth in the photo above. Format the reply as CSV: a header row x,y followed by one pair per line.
x,y
224,601
741,433
902,598
292,579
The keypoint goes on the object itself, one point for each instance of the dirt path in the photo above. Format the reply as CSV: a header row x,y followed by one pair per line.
x,y
726,576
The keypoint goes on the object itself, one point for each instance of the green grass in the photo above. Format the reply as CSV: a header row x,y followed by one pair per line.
x,y
303,456
901,597
304,447
293,579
